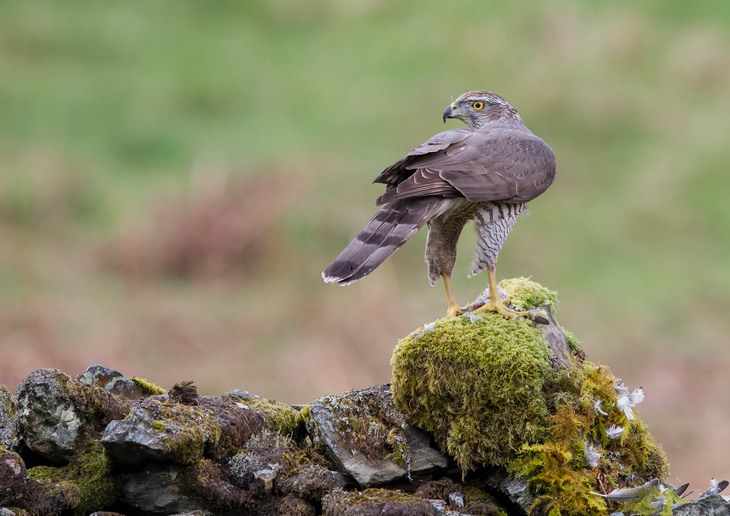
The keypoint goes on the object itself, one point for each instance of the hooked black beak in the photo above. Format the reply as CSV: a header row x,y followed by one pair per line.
x,y
449,112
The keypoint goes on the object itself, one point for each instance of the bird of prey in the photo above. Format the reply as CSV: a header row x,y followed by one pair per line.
x,y
486,174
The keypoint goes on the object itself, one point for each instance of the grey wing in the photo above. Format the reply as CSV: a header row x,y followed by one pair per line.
x,y
400,170
497,164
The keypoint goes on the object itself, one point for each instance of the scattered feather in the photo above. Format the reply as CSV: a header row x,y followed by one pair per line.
x,y
627,400
592,454
715,487
620,388
614,431
427,328
679,491
637,396
598,409
624,494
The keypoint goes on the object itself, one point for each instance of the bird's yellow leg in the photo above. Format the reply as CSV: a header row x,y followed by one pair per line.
x,y
454,308
495,305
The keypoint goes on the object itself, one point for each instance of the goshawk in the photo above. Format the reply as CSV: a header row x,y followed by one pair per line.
x,y
486,173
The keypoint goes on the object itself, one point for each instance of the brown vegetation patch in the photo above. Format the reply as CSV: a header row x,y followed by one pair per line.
x,y
221,227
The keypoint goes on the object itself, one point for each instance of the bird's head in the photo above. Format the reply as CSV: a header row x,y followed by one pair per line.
x,y
479,108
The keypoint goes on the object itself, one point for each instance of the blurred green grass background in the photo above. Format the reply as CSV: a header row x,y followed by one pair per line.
x,y
175,175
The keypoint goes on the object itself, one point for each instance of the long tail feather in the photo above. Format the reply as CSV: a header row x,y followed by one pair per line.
x,y
386,232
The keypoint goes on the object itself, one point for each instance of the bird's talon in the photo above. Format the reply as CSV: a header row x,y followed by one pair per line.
x,y
454,311
536,316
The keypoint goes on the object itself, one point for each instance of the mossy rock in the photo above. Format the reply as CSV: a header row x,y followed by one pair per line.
x,y
476,383
278,417
56,412
375,501
88,472
148,388
492,395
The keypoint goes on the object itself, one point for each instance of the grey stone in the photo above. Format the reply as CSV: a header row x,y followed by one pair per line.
x,y
442,508
556,339
6,512
515,489
50,421
714,505
365,437
111,381
151,432
158,489
8,427
55,411
164,428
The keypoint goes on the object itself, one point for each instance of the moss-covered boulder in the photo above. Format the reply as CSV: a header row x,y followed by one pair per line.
x,y
88,475
116,383
492,394
476,382
180,427
57,413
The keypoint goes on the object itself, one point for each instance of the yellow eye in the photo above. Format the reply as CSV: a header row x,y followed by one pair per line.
x,y
478,105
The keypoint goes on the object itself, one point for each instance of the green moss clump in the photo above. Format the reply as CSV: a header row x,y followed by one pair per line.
x,y
148,387
525,294
91,469
88,473
477,386
557,469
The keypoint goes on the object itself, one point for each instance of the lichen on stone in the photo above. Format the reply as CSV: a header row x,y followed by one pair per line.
x,y
366,433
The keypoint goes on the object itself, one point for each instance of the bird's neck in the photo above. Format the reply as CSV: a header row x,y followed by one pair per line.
x,y
503,117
